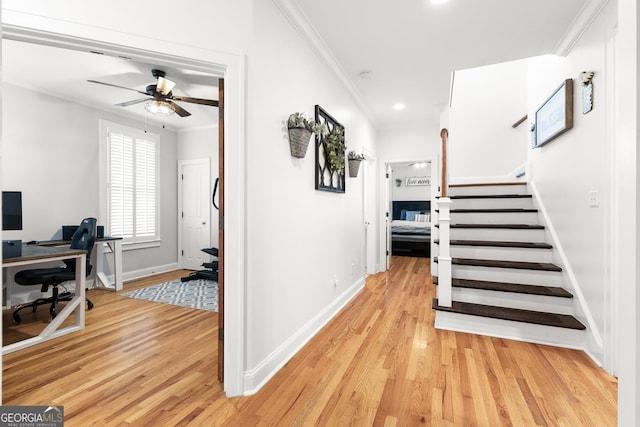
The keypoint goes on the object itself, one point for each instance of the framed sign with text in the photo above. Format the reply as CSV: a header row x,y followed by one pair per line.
x,y
415,181
555,116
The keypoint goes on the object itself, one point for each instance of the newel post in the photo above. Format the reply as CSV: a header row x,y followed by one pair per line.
x,y
444,226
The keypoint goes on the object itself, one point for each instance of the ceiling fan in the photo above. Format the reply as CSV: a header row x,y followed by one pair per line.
x,y
159,97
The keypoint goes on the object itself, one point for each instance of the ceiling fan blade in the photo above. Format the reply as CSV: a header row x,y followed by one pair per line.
x,y
112,85
132,102
178,109
165,86
201,101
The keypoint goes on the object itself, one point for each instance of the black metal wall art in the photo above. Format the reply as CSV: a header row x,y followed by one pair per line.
x,y
330,154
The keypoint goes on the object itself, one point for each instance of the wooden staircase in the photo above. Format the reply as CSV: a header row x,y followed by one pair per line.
x,y
505,279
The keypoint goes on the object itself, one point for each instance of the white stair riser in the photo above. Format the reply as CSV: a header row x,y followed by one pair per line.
x,y
514,300
503,254
567,338
507,275
496,234
488,189
492,203
494,218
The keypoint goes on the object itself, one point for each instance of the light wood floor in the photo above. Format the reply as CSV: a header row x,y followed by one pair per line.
x,y
379,362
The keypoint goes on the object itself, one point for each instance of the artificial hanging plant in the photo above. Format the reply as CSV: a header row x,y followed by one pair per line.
x,y
335,147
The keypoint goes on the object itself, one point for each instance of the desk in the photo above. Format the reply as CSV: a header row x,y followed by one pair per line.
x,y
115,244
32,254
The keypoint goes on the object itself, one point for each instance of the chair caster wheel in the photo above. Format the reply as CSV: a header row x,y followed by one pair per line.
x,y
16,318
89,305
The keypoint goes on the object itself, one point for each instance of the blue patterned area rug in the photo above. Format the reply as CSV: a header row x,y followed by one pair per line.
x,y
201,294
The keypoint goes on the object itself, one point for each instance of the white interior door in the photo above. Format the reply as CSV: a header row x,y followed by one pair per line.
x,y
195,203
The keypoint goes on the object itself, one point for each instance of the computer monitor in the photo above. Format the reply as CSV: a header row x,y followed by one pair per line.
x,y
12,210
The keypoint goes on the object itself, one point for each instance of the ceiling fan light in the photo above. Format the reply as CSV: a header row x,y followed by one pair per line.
x,y
159,108
165,85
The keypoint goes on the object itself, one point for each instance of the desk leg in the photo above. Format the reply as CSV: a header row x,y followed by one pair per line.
x,y
116,249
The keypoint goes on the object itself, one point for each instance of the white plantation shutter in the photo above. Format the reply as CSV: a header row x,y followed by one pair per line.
x,y
146,169
132,184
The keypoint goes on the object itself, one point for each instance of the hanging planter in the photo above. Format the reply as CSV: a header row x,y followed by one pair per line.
x,y
300,131
299,141
354,163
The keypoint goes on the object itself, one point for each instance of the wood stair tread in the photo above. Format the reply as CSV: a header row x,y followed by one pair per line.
x,y
487,184
492,196
553,291
498,226
514,314
501,244
510,210
521,265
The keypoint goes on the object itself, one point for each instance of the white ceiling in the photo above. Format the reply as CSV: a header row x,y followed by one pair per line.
x,y
410,48
64,73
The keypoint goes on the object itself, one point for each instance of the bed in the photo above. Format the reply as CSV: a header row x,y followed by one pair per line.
x,y
411,228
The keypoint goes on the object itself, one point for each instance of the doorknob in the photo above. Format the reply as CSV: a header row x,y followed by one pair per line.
x,y
204,223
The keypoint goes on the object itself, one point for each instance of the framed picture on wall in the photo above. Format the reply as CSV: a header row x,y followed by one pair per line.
x,y
555,115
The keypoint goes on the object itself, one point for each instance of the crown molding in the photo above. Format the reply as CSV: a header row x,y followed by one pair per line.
x,y
292,11
579,25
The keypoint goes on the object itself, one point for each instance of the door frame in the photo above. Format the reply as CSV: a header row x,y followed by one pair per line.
x,y
70,35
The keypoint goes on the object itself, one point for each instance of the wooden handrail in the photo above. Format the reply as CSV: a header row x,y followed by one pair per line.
x,y
519,122
444,133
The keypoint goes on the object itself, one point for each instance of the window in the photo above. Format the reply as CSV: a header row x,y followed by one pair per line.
x,y
129,173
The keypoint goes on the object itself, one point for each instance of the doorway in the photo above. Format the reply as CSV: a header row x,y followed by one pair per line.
x,y
404,181
211,62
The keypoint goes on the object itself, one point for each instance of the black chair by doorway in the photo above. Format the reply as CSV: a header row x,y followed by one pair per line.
x,y
83,238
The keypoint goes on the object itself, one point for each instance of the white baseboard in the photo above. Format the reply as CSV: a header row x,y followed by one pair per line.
x,y
255,378
145,272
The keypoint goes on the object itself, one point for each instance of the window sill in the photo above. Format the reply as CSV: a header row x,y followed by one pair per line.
x,y
129,246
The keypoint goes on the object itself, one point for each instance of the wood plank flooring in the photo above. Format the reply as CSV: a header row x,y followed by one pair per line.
x,y
379,362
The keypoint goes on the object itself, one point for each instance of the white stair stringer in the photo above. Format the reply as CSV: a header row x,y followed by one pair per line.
x,y
509,329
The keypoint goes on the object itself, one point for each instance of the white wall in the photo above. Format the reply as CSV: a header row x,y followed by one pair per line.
x,y
304,247
404,192
486,102
50,153
202,143
566,170
417,141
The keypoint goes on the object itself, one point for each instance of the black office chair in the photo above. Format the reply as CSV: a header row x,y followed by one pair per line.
x,y
83,238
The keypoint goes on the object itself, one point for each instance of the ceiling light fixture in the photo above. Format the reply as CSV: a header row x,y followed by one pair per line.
x,y
438,1
398,107
159,107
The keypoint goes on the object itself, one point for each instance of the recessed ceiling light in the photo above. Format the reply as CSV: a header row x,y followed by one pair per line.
x,y
438,1
399,106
